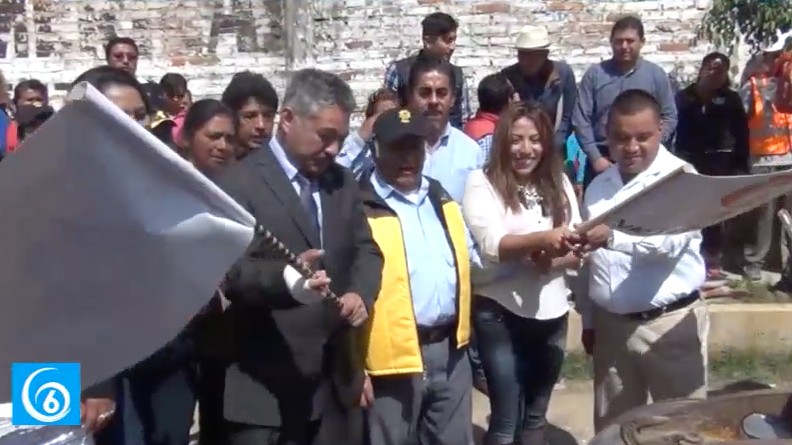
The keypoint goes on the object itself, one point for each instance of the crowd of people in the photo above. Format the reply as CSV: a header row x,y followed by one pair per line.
x,y
442,242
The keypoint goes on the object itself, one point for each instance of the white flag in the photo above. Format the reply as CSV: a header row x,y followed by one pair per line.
x,y
684,200
109,242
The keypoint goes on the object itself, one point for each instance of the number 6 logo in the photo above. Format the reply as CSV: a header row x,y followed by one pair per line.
x,y
53,411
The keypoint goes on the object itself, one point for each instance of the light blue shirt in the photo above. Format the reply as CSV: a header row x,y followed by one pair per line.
x,y
575,153
297,180
430,258
486,145
449,163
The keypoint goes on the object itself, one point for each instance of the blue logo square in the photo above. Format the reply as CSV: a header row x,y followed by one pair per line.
x,y
45,394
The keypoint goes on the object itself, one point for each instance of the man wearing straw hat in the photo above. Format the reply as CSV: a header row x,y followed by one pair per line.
x,y
550,82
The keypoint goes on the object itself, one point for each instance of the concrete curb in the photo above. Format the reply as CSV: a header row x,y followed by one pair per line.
x,y
735,326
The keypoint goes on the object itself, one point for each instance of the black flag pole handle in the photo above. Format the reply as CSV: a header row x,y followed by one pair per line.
x,y
293,260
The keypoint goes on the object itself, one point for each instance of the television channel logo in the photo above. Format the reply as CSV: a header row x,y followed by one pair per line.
x,y
45,394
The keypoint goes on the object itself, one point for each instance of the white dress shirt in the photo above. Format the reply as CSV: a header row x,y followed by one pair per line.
x,y
518,286
635,274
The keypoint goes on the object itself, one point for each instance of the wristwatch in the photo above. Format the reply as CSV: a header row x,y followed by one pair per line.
x,y
609,243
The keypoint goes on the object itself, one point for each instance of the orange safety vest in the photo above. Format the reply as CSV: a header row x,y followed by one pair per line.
x,y
770,130
783,74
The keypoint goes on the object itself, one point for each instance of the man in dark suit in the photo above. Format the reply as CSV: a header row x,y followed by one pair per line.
x,y
285,354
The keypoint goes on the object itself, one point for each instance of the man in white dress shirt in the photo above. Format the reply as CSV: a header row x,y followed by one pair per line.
x,y
645,323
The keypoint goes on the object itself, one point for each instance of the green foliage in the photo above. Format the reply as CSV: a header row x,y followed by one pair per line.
x,y
757,20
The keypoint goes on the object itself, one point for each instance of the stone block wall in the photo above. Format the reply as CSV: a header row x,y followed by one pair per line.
x,y
206,40
209,40
358,38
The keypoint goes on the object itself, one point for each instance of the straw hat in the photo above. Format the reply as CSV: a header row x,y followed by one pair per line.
x,y
532,38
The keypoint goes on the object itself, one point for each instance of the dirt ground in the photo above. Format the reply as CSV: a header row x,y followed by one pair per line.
x,y
570,414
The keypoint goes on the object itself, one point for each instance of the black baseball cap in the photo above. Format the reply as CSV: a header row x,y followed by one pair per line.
x,y
395,124
28,114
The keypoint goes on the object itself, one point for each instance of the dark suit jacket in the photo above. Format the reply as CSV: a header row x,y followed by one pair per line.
x,y
284,353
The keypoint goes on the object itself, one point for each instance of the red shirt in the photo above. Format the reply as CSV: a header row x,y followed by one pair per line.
x,y
482,124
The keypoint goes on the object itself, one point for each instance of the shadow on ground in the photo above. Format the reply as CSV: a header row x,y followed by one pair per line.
x,y
555,435
739,386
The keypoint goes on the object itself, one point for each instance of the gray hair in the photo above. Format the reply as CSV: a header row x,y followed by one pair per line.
x,y
310,90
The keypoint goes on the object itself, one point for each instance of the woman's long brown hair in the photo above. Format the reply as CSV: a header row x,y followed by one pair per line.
x,y
547,177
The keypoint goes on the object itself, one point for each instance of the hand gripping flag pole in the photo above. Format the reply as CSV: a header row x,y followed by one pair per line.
x,y
305,270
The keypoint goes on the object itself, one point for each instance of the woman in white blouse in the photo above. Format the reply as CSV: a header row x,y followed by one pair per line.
x,y
520,209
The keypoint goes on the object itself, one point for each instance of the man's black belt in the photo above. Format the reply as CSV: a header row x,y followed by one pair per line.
x,y
651,314
435,334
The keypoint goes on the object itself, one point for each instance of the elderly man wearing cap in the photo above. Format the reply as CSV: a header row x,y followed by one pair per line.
x,y
418,381
769,144
550,82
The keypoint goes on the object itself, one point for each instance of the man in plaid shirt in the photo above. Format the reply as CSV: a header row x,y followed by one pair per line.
x,y
439,31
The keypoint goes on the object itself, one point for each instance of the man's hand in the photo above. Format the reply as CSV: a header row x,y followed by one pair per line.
x,y
95,413
319,282
583,257
311,257
587,338
352,309
578,188
367,397
367,128
600,165
596,238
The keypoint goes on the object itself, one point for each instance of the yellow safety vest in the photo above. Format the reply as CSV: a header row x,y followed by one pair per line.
x,y
390,337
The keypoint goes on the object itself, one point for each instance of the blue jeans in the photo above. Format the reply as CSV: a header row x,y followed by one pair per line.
x,y
522,360
475,361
